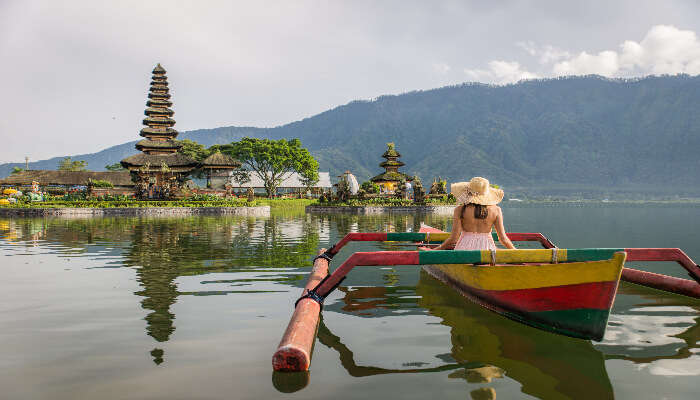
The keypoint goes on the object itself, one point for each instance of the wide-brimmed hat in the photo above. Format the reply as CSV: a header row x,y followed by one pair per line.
x,y
477,191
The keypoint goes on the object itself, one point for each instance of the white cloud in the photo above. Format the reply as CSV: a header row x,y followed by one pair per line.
x,y
501,72
604,63
664,49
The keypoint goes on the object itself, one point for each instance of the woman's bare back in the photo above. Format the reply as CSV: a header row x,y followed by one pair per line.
x,y
471,224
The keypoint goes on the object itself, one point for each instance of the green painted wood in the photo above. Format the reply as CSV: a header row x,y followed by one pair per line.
x,y
580,323
449,257
405,236
594,254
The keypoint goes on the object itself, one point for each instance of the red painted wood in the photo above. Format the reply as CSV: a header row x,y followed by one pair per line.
x,y
294,351
359,237
428,228
671,284
531,237
369,258
661,254
593,295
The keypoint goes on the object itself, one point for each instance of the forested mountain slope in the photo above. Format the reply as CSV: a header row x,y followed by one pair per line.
x,y
587,131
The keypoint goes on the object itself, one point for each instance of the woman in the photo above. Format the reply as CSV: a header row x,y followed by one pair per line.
x,y
478,214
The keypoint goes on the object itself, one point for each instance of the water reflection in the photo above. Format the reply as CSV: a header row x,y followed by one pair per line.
x,y
173,259
650,326
486,346
164,249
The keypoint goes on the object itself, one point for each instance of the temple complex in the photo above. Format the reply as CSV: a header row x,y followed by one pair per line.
x,y
159,171
389,180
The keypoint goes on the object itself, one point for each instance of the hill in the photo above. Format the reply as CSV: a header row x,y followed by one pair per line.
x,y
579,133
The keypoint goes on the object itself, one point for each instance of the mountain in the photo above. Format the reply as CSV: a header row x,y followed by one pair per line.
x,y
574,133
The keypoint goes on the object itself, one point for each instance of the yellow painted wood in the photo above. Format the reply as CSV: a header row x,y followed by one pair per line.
x,y
512,277
523,256
437,236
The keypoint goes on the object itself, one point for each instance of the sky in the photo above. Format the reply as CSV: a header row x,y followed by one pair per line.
x,y
74,74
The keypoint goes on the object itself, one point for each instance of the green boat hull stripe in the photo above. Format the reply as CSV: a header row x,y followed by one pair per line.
x,y
474,256
581,323
573,255
449,257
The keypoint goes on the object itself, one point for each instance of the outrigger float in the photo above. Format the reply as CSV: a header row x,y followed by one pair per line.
x,y
566,291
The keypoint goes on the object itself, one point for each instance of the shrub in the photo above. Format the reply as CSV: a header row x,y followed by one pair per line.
x,y
100,183
370,187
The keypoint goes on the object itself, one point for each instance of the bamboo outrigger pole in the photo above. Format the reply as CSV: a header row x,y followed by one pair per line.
x,y
294,351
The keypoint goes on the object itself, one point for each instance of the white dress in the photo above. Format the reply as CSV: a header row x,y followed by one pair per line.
x,y
475,241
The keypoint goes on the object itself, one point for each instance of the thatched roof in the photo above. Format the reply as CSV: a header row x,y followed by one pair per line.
x,y
391,163
391,177
156,160
158,144
391,151
159,69
158,121
158,131
158,111
159,103
67,178
220,160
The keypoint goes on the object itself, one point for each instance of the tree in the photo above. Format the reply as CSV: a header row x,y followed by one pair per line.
x,y
16,170
194,150
309,178
67,164
241,177
273,160
115,167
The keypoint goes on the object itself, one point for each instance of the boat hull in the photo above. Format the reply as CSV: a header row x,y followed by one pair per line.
x,y
572,299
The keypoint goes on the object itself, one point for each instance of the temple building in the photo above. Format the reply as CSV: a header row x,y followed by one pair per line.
x,y
389,180
218,168
159,171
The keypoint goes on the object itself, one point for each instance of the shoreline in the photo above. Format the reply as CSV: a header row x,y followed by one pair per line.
x,y
440,210
255,211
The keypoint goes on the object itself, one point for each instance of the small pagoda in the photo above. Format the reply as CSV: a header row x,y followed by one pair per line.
x,y
391,178
160,170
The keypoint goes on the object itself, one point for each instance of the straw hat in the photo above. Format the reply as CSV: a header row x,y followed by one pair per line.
x,y
477,191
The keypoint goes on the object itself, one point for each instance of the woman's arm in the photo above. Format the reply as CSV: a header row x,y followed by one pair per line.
x,y
456,231
501,231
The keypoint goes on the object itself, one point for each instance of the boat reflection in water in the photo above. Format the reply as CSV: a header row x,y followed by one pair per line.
x,y
486,346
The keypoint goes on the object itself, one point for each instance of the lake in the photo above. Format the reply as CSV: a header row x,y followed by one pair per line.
x,y
180,308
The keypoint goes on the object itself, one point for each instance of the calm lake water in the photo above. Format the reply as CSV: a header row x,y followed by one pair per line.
x,y
181,308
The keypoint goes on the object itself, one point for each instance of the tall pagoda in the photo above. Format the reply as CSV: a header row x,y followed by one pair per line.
x,y
391,178
159,171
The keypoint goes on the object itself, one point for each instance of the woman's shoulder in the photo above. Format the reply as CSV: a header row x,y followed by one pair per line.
x,y
495,208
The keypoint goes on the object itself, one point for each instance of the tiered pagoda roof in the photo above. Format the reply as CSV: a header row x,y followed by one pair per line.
x,y
391,165
159,145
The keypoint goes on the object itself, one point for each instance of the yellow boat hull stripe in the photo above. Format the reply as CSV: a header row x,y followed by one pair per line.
x,y
513,277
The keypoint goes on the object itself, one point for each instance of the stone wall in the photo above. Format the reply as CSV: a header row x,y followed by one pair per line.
x,y
444,210
260,211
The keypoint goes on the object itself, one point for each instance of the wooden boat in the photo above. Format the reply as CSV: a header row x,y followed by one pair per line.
x,y
566,291
561,296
